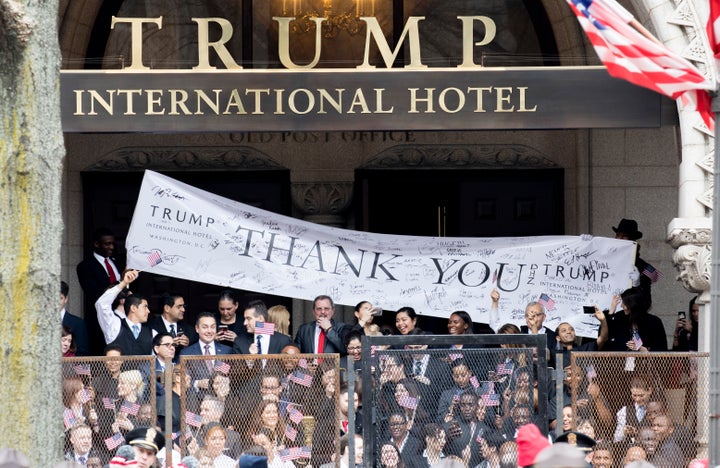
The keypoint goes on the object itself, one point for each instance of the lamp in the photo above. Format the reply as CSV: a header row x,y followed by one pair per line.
x,y
336,20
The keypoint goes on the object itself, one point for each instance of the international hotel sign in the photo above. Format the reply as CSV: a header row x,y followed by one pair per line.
x,y
303,98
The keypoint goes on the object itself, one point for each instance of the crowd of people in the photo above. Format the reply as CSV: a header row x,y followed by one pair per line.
x,y
464,404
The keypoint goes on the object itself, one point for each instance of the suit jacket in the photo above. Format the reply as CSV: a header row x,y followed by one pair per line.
x,y
79,332
157,324
551,341
94,280
411,453
277,342
198,370
305,338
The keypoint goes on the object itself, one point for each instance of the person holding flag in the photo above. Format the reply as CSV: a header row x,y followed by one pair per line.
x,y
634,328
261,337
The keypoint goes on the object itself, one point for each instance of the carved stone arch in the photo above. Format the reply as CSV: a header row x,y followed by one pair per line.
x,y
468,156
186,158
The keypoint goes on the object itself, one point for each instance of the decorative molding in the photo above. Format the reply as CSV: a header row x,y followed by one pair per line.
x,y
684,236
694,266
323,202
165,158
459,156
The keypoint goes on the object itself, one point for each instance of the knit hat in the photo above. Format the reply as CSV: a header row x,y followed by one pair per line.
x,y
530,442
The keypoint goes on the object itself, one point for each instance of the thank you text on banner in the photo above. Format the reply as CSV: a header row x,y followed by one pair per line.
x,y
180,231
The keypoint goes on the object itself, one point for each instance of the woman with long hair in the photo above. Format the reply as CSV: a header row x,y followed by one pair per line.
x,y
280,316
406,322
634,328
267,416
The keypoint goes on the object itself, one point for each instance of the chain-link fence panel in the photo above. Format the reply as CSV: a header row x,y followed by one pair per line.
x,y
648,406
428,397
283,406
103,399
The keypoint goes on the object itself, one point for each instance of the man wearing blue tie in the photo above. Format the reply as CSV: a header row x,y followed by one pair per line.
x,y
259,340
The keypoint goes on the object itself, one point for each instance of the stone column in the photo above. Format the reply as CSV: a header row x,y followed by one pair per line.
x,y
321,203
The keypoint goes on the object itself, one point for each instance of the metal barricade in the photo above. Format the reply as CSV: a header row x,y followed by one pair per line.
x,y
424,395
103,399
649,406
283,406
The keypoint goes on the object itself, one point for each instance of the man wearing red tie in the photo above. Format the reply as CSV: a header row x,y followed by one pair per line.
x,y
322,335
96,273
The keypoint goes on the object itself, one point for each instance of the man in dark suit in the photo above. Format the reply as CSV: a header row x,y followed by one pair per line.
x,y
96,273
258,343
81,441
200,371
322,335
171,321
534,318
408,445
75,324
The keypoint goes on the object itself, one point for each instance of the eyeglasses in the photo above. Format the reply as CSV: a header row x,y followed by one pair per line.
x,y
354,348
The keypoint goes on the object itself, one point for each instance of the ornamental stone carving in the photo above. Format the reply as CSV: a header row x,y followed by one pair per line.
x,y
323,202
692,256
185,158
460,156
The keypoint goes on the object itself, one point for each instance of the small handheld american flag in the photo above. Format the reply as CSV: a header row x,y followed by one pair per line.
x,y
264,328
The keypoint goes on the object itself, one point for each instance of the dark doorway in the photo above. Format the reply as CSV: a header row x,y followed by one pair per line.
x,y
109,200
460,203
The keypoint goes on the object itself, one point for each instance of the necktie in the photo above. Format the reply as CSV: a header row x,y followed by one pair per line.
x,y
110,271
136,330
208,363
417,368
321,342
172,331
82,461
259,344
641,413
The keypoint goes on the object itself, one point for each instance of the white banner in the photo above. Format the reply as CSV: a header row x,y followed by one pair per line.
x,y
180,231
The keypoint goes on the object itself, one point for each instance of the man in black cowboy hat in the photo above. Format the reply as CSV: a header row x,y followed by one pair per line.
x,y
146,441
627,229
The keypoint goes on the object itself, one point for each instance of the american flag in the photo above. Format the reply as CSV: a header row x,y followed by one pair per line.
x,y
488,386
301,378
154,258
546,301
637,341
291,433
222,367
114,441
505,368
492,399
653,273
455,356
631,55
85,395
408,402
68,418
294,453
175,435
108,403
474,382
713,27
480,434
193,419
264,328
130,408
295,415
590,372
81,369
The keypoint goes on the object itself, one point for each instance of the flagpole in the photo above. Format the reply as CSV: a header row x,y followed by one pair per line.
x,y
713,318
